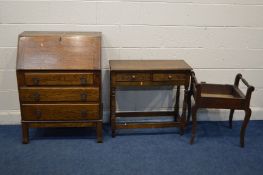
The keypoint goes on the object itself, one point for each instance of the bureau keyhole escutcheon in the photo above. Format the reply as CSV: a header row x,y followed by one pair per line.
x,y
38,113
83,96
83,81
36,96
35,81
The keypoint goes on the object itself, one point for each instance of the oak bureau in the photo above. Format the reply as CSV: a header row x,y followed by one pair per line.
x,y
59,80
146,73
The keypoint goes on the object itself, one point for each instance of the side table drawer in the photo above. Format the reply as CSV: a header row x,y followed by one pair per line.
x,y
51,79
168,77
133,77
60,112
49,94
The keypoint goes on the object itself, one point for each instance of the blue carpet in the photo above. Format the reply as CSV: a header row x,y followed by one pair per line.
x,y
68,151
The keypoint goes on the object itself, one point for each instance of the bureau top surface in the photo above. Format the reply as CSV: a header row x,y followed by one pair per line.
x,y
59,51
140,65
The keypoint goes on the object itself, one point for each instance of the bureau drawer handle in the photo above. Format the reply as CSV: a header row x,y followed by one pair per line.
x,y
83,96
133,76
83,113
83,81
38,113
36,96
169,76
35,81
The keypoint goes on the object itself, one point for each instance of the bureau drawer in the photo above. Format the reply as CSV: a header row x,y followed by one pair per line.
x,y
169,77
49,94
60,112
133,77
49,79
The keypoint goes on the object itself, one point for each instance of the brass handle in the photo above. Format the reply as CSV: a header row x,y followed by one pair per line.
x,y
38,113
133,76
83,81
36,96
169,76
35,81
83,96
84,113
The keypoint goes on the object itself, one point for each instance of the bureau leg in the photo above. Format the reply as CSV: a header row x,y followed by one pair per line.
x,y
176,106
113,111
99,131
25,133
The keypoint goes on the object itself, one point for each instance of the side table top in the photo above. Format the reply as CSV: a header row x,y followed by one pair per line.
x,y
137,65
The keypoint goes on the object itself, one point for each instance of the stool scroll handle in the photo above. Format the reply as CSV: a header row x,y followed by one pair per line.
x,y
195,86
240,77
250,88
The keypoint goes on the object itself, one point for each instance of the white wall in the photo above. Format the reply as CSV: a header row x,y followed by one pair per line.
x,y
218,38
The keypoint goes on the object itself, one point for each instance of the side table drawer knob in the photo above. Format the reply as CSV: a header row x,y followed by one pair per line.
x,y
133,76
170,76
84,113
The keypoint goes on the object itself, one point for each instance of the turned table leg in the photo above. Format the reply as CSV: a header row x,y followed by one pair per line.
x,y
189,106
176,106
113,111
194,111
244,125
183,117
25,133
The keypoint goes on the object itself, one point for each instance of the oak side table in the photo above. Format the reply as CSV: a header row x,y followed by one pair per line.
x,y
149,73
